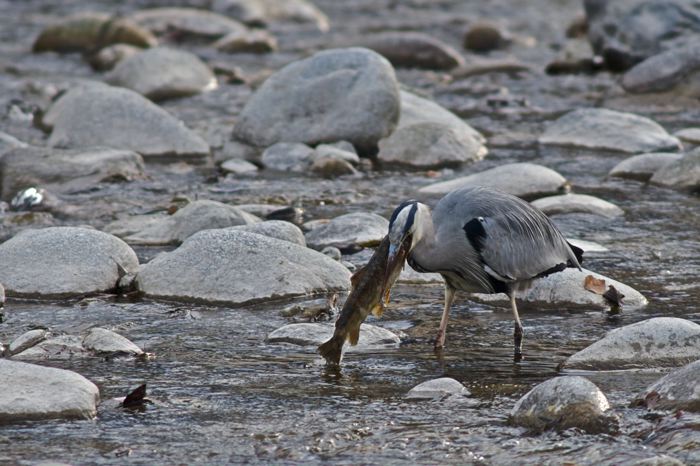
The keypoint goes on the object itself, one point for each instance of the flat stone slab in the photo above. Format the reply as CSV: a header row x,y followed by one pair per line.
x,y
562,403
683,173
103,341
35,392
363,228
642,167
60,347
414,50
64,261
307,334
652,343
678,390
599,128
436,389
89,116
577,203
237,267
525,180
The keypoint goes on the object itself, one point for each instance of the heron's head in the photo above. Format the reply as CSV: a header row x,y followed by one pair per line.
x,y
406,227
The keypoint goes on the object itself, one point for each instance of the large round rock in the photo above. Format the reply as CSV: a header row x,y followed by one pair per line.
x,y
229,266
341,94
564,402
64,261
35,392
363,228
657,342
678,390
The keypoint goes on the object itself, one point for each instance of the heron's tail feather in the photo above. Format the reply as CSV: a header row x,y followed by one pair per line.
x,y
332,350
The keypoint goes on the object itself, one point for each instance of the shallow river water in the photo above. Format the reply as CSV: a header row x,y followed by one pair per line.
x,y
220,394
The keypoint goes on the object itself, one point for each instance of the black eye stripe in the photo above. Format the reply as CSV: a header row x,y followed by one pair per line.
x,y
411,218
399,209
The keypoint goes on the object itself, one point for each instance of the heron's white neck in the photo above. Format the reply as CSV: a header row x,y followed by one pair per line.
x,y
424,248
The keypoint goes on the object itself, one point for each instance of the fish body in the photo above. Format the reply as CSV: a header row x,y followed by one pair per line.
x,y
370,294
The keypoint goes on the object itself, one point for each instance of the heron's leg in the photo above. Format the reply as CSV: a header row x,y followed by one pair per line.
x,y
449,299
518,332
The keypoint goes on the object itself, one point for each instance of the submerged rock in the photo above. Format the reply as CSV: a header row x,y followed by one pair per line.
x,y
103,341
678,390
267,12
599,128
238,167
577,203
362,228
27,340
340,94
183,24
525,180
278,229
642,167
66,170
562,403
34,392
236,267
683,173
123,119
437,389
64,261
657,342
288,156
307,334
174,229
414,50
430,145
85,32
162,73
673,70
61,347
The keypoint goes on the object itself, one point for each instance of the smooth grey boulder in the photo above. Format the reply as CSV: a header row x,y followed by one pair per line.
x,y
288,156
162,73
414,50
64,261
27,340
362,228
238,167
61,347
691,135
196,216
437,389
568,287
338,94
186,23
562,403
267,12
642,167
678,390
674,70
430,145
683,173
66,170
103,341
108,57
237,267
626,32
33,392
278,229
651,343
89,116
577,203
338,152
599,128
525,180
307,334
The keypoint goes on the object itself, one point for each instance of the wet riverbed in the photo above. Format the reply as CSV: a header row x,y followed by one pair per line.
x,y
222,395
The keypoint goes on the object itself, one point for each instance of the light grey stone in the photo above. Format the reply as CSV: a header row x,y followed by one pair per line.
x,y
63,261
9,142
676,70
27,340
308,334
414,50
363,228
88,116
103,341
186,23
339,94
196,216
430,145
340,152
642,167
238,167
332,252
678,390
332,167
525,180
288,156
66,170
34,392
61,347
163,73
567,286
562,403
599,128
236,267
437,389
108,57
683,173
279,229
255,41
691,135
267,12
577,203
652,343
408,275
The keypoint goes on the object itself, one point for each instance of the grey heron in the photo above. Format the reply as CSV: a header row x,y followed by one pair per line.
x,y
481,240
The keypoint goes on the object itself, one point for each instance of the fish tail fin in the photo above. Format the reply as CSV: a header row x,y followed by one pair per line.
x,y
332,350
